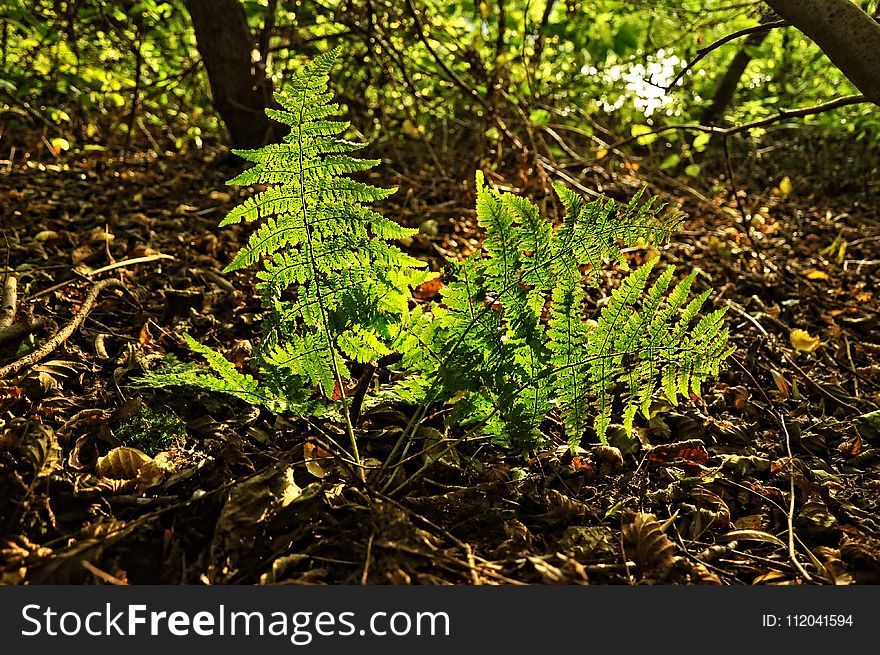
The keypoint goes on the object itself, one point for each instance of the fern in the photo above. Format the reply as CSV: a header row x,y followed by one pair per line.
x,y
513,339
517,338
336,287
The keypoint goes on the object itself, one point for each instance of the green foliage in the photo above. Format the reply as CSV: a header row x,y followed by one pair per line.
x,y
580,70
336,287
151,430
72,68
514,336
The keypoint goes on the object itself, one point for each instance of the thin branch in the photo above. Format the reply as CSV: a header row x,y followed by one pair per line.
x,y
450,74
792,553
781,115
703,52
64,333
98,271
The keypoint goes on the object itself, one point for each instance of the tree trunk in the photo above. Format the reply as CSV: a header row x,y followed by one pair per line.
x,y
240,89
848,35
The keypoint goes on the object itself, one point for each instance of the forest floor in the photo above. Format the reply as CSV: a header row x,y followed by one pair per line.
x,y
772,477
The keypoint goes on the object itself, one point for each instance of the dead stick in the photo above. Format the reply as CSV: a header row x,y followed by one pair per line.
x,y
9,301
63,334
19,330
98,271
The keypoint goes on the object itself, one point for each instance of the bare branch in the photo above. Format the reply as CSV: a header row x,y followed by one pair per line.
x,y
703,52
781,115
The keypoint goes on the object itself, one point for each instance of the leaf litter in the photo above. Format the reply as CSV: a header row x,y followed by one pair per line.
x,y
205,490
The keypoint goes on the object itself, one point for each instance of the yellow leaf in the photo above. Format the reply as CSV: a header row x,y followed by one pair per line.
x,y
815,274
46,235
59,144
601,153
804,341
785,186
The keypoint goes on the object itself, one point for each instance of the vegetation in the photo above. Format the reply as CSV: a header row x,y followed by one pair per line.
x,y
486,344
501,291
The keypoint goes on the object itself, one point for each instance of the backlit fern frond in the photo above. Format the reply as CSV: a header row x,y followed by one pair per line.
x,y
336,288
517,338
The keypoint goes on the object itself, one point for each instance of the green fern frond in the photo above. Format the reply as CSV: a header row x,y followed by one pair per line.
x,y
516,312
338,290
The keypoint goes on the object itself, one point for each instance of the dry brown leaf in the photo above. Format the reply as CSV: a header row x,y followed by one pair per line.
x,y
771,577
122,463
704,575
781,384
319,461
428,290
647,546
80,254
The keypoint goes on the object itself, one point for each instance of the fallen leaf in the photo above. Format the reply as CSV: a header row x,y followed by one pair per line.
x,y
816,274
319,461
785,185
100,234
689,453
145,338
428,290
648,546
781,383
122,463
804,341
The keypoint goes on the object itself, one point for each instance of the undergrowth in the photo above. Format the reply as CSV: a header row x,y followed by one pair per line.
x,y
512,340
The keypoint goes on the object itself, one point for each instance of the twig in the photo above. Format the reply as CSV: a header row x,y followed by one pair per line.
x,y
472,565
8,301
103,269
369,556
792,554
129,262
852,366
103,575
64,333
742,312
781,114
702,52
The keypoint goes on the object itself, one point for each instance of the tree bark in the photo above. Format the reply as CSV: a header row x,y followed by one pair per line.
x,y
846,34
239,88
